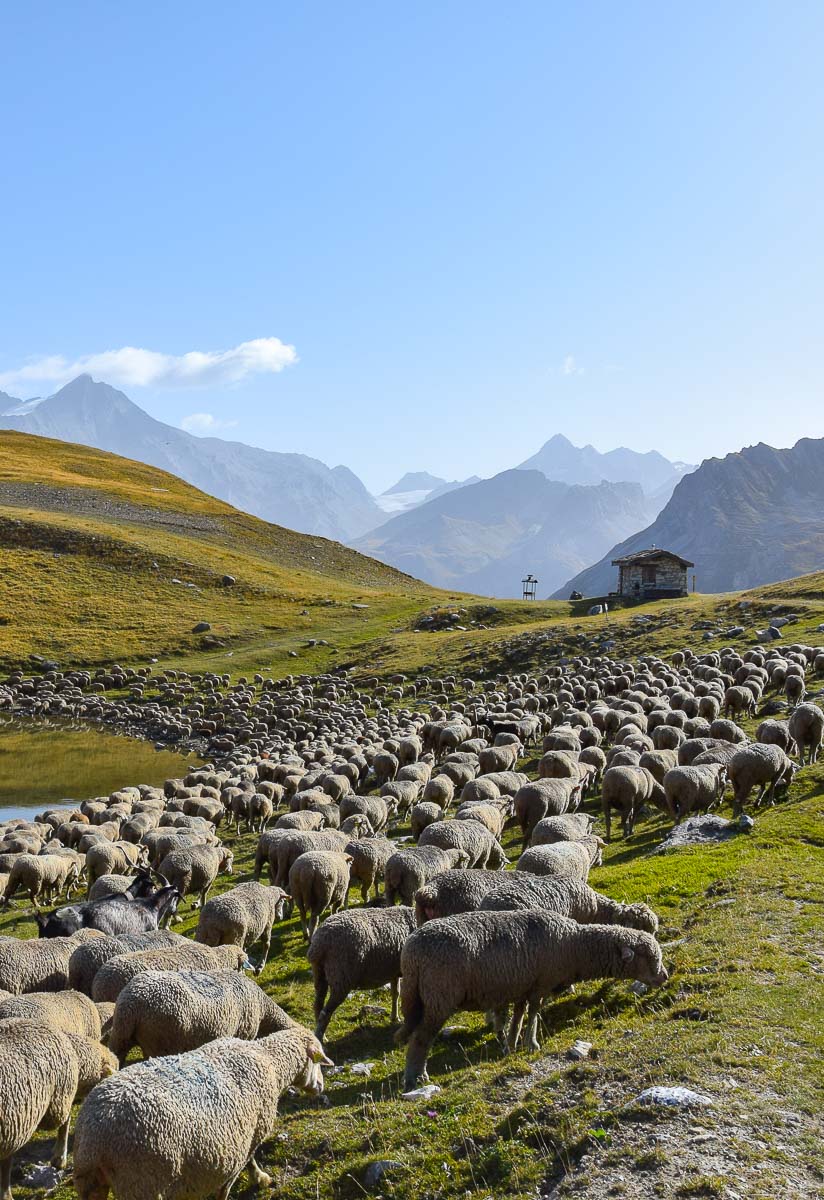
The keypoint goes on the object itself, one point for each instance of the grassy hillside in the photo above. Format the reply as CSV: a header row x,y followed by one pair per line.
x,y
104,558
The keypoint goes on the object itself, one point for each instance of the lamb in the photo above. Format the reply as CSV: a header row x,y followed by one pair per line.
x,y
369,858
37,965
39,1079
408,870
570,859
765,767
481,847
113,976
44,875
88,957
358,949
181,1126
570,827
170,1012
67,1011
543,798
806,726
488,960
626,789
242,916
195,868
688,789
318,879
569,898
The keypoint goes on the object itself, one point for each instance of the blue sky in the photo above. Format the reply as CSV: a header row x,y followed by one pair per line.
x,y
476,225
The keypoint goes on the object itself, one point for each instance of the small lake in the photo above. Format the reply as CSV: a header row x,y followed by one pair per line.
x,y
44,764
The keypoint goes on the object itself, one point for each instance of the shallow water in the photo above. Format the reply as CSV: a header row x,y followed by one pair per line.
x,y
46,764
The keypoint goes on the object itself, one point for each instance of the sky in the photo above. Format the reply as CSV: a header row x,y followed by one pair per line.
x,y
421,236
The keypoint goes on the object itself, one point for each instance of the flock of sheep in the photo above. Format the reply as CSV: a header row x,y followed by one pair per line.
x,y
323,770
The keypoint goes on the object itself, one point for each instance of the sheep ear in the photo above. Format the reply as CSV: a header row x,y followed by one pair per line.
x,y
317,1055
627,953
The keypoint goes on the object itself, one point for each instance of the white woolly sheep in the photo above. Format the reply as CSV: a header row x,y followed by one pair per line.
x,y
45,875
409,869
694,789
318,880
766,767
88,957
570,827
570,859
113,976
626,789
479,845
68,1011
806,725
241,917
39,964
194,869
181,1126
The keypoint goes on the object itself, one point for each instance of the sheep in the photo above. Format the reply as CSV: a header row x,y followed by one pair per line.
x,y
424,814
88,957
369,858
806,725
567,897
242,916
488,960
118,885
543,798
69,1011
358,949
439,790
304,820
39,965
491,815
766,767
374,808
195,868
41,874
400,794
39,1079
318,879
451,892
170,1012
688,789
570,859
481,848
182,1126
795,690
570,827
408,870
776,733
658,762
113,976
287,848
113,858
626,789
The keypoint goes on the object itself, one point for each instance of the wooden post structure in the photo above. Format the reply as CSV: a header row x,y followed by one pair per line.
x,y
530,585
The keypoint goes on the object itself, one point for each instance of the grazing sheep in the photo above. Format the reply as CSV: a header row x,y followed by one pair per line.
x,y
658,762
357,949
113,976
795,690
67,1011
184,1127
570,827
113,858
569,898
543,798
39,965
694,789
806,725
479,845
570,859
439,790
304,820
44,875
194,869
424,814
318,879
170,1012
626,789
242,916
368,864
491,815
290,846
408,870
776,733
488,960
765,767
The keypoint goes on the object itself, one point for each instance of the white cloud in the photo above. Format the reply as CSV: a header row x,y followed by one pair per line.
x,y
570,366
132,367
202,423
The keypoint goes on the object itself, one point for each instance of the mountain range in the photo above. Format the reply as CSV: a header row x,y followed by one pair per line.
x,y
753,517
484,537
285,489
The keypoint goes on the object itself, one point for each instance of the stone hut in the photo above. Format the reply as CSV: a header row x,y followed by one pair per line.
x,y
652,575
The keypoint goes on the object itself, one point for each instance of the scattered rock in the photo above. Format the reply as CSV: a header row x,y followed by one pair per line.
x,y
674,1097
228,580
202,627
375,1172
422,1093
43,1177
580,1049
696,831
361,1068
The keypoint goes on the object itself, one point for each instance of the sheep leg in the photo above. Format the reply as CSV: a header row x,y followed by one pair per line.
x,y
532,1025
393,992
60,1153
515,1026
264,958
417,1051
5,1178
259,1177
